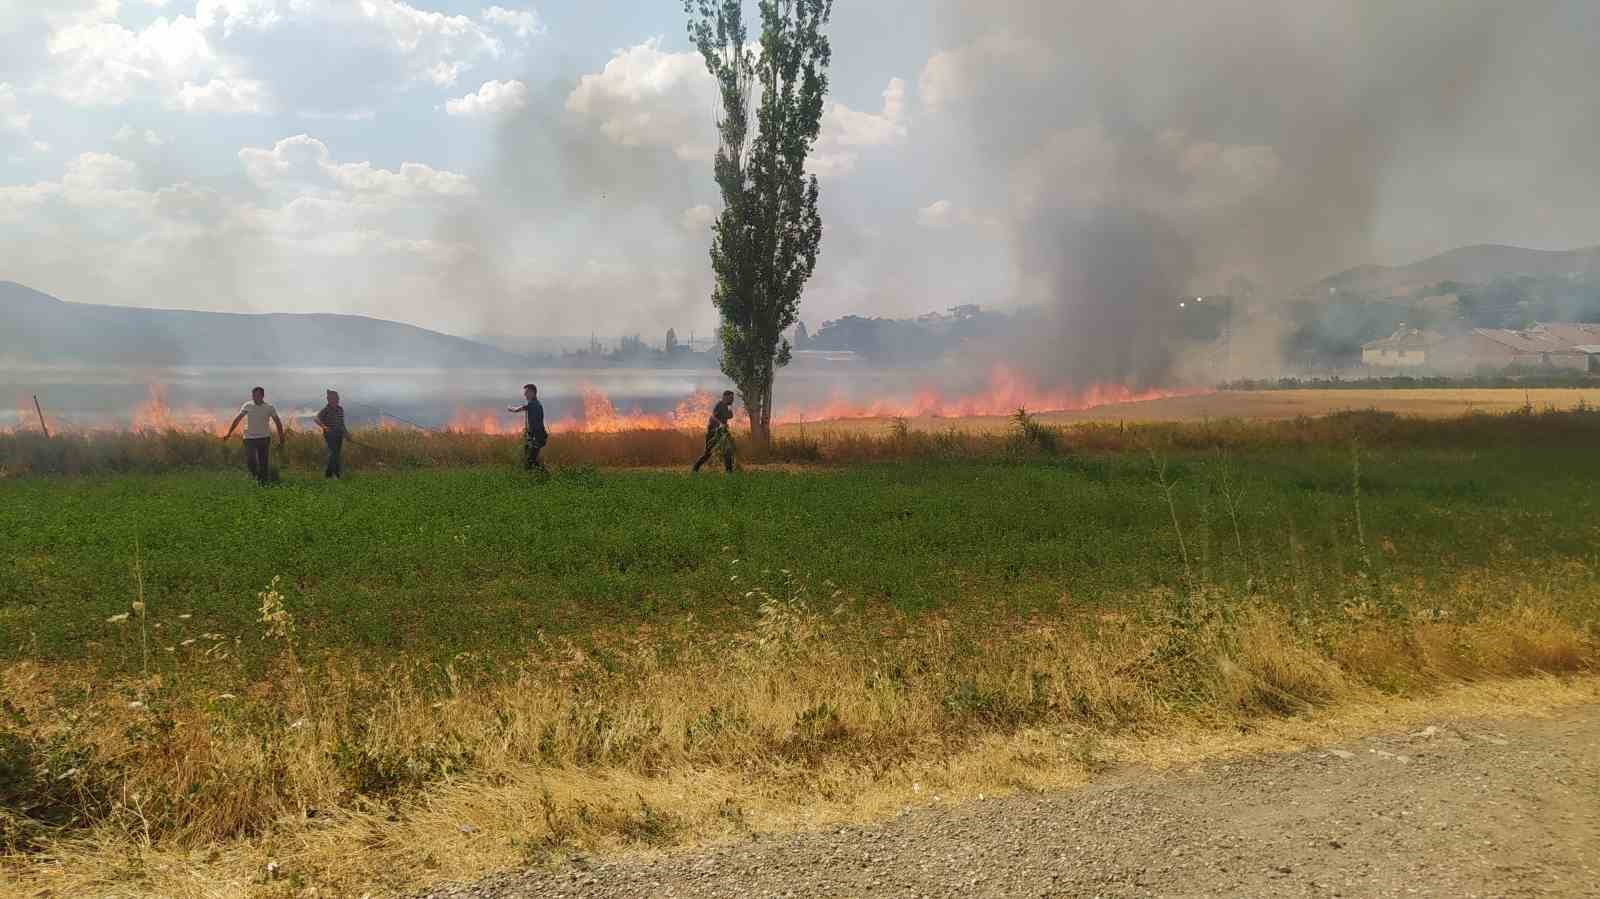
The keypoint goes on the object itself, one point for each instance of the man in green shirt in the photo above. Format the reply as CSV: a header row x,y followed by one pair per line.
x,y
718,434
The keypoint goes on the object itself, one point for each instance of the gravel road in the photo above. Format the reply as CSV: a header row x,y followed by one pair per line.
x,y
1459,808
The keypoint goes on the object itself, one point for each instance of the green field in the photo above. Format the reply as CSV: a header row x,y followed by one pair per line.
x,y
622,657
435,563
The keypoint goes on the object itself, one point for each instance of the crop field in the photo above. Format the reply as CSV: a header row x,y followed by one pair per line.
x,y
1270,405
444,667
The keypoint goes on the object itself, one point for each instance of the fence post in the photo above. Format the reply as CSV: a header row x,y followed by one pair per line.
x,y
42,426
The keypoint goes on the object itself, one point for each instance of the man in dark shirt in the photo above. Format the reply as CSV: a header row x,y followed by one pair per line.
x,y
331,420
534,436
717,433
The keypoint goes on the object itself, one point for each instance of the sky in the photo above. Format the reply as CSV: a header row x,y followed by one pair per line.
x,y
534,169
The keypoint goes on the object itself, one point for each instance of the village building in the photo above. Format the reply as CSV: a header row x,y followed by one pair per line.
x,y
1405,348
1567,346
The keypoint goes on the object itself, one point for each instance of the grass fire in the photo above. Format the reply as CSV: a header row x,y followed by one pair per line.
x,y
636,448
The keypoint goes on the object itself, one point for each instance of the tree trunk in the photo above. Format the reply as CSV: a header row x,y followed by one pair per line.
x,y
759,408
760,430
758,405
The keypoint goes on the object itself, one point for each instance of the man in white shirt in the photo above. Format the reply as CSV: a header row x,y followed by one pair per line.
x,y
257,439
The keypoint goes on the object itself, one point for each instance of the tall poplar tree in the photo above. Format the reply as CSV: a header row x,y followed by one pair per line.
x,y
764,244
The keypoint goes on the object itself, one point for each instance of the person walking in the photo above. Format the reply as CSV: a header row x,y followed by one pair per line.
x,y
257,439
331,420
534,436
718,434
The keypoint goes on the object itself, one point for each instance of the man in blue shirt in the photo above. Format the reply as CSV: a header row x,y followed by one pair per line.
x,y
534,436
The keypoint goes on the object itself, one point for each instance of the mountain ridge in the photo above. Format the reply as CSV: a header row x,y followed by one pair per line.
x,y
41,328
1476,263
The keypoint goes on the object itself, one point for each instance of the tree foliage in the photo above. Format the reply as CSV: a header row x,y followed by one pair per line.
x,y
764,244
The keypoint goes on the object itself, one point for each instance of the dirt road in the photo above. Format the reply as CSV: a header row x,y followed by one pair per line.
x,y
1457,808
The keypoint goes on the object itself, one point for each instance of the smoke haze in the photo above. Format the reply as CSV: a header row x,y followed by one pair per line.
x,y
1146,150
549,174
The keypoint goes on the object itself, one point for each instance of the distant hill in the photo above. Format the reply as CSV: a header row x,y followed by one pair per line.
x,y
1468,265
39,328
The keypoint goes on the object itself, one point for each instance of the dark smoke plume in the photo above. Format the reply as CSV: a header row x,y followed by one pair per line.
x,y
1141,151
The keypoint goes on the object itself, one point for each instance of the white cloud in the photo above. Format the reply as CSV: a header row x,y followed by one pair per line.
x,y
236,14
219,95
68,12
18,202
352,115
303,165
99,171
297,158
696,219
222,58
445,72
314,229
494,98
443,46
411,180
647,98
525,23
103,63
103,182
128,134
16,125
12,119
846,132
939,214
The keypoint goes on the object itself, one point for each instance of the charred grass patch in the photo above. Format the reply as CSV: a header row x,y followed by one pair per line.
x,y
1328,422
210,686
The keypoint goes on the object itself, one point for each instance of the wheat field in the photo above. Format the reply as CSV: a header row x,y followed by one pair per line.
x,y
1257,405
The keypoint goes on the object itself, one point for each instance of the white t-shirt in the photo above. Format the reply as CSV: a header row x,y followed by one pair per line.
x,y
256,419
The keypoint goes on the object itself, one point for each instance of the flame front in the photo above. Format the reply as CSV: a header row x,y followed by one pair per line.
x,y
155,415
1006,392
599,416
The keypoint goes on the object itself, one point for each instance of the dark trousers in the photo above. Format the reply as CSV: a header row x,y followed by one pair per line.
x,y
255,456
531,446
335,444
715,439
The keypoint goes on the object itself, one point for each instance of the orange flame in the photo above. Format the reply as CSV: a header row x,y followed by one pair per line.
x,y
155,415
599,416
1006,392
28,418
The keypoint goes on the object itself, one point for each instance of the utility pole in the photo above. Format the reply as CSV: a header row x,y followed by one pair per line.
x,y
40,412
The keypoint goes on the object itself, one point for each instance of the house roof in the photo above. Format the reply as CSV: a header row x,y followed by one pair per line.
x,y
1545,337
1521,341
1571,333
1405,339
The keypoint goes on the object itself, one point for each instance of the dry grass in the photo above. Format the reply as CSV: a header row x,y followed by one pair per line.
x,y
1249,405
219,779
348,779
1279,418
